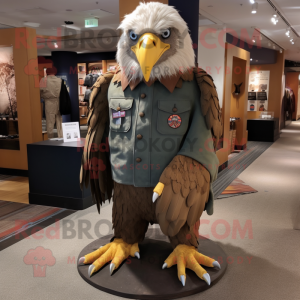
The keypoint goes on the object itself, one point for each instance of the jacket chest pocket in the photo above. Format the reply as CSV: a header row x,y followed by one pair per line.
x,y
120,111
173,117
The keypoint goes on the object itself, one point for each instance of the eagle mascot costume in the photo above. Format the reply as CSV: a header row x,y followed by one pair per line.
x,y
154,125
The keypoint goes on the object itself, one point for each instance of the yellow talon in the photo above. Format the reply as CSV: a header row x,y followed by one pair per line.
x,y
115,252
159,188
188,257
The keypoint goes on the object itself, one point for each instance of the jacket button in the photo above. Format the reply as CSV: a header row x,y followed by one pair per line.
x,y
139,136
174,109
143,96
141,114
138,160
118,108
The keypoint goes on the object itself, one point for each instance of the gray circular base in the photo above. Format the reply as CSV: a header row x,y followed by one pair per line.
x,y
144,278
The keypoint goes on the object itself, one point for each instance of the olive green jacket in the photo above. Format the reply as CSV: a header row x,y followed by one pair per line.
x,y
142,143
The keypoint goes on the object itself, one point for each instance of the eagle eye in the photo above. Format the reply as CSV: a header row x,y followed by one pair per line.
x,y
133,36
166,33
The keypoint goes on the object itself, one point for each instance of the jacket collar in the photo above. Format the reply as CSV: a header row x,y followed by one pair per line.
x,y
169,82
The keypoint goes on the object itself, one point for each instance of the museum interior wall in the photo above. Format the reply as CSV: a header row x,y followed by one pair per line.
x,y
213,57
23,42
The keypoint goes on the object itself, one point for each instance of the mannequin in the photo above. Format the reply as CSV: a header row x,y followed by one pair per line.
x,y
50,87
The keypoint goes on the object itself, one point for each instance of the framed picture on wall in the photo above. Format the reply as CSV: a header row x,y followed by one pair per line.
x,y
9,131
259,82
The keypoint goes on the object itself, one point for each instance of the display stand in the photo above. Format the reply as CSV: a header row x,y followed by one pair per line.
x,y
144,278
54,168
263,130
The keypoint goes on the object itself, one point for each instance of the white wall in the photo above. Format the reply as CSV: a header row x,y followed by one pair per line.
x,y
211,57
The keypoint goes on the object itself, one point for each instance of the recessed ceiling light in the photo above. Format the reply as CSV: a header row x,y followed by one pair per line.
x,y
254,7
251,59
252,1
32,24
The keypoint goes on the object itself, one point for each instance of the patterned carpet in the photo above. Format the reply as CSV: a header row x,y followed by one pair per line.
x,y
18,220
237,188
237,164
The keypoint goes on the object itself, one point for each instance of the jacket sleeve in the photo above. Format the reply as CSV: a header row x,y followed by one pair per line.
x,y
198,143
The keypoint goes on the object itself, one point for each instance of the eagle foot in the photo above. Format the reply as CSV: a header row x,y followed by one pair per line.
x,y
188,257
116,252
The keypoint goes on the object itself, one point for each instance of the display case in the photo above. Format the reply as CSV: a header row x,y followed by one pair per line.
x,y
267,115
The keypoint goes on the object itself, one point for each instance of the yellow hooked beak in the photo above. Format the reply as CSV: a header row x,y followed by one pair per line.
x,y
148,50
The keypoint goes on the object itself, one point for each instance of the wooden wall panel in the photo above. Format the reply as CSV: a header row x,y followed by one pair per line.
x,y
27,92
128,6
238,103
231,54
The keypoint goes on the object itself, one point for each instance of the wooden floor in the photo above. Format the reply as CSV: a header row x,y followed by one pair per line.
x,y
14,189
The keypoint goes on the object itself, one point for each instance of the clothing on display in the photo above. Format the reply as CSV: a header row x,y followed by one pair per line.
x,y
90,79
87,95
289,103
50,88
64,100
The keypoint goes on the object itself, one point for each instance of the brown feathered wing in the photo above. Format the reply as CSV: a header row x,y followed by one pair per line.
x,y
184,196
95,165
210,105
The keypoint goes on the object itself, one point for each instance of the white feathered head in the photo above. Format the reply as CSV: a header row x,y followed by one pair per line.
x,y
155,43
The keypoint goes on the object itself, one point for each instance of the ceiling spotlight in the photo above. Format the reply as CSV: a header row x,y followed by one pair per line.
x,y
280,50
253,41
252,1
251,59
287,33
55,45
254,7
274,19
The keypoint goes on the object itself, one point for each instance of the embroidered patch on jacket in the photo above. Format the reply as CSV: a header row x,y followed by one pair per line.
x,y
174,121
